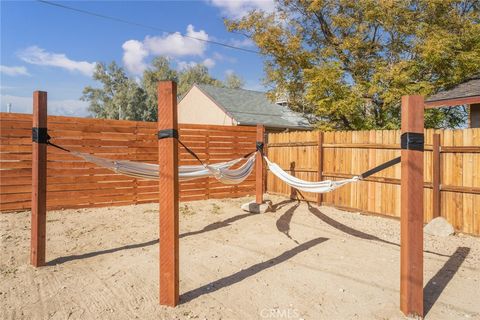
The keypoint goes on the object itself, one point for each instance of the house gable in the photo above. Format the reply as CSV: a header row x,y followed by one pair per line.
x,y
248,107
198,108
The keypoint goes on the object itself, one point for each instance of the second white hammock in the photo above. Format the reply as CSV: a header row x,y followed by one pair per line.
x,y
307,186
221,171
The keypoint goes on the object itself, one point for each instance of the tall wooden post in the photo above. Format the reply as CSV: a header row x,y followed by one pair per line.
x,y
259,167
293,191
168,193
320,165
39,179
411,225
436,175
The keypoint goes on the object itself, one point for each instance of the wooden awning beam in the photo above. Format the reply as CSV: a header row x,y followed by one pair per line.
x,y
452,102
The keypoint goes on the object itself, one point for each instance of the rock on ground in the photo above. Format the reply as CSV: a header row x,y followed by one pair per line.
x,y
439,227
253,207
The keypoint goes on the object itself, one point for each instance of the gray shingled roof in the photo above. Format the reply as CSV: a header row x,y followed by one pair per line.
x,y
249,107
469,88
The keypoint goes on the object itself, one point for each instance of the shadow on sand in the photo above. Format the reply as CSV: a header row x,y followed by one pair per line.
x,y
433,288
61,260
440,280
344,228
218,225
210,227
248,272
283,222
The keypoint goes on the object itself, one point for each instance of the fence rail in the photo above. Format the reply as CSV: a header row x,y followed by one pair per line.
x,y
452,171
452,166
75,183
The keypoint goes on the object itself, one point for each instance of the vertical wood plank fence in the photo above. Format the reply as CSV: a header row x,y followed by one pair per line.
x,y
451,173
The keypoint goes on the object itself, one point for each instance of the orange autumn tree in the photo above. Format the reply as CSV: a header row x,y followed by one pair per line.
x,y
349,62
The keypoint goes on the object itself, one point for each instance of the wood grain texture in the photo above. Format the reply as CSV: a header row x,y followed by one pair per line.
x,y
380,193
168,195
39,183
411,216
436,201
134,140
320,164
453,102
259,167
114,139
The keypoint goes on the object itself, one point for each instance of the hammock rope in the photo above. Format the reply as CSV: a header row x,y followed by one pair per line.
x,y
381,167
222,171
325,185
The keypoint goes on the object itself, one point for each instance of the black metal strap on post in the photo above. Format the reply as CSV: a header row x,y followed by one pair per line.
x,y
379,168
412,141
259,146
167,133
172,133
40,135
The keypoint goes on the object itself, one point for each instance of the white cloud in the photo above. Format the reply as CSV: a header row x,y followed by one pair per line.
x,y
239,8
182,65
14,71
134,54
176,45
68,107
220,57
38,56
209,63
4,88
169,45
244,43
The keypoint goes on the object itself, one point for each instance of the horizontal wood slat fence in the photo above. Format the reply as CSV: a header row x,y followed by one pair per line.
x,y
75,183
452,166
452,171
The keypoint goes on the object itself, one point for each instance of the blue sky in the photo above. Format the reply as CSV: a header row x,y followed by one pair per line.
x,y
53,49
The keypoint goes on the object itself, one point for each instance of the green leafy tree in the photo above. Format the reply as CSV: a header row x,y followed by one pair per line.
x,y
119,97
234,81
349,62
196,74
160,70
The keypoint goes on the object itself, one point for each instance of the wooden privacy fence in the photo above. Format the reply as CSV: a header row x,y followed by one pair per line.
x,y
75,183
451,170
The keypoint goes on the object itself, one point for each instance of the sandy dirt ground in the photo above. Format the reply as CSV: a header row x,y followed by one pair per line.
x,y
295,262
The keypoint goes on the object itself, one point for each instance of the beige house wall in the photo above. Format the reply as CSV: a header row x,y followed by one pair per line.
x,y
197,108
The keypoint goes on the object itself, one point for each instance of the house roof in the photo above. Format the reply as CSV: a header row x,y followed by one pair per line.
x,y
465,93
249,107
